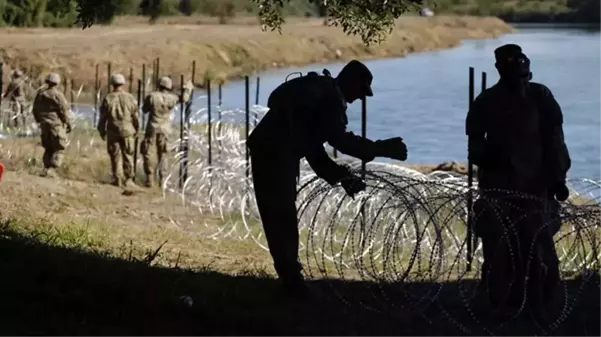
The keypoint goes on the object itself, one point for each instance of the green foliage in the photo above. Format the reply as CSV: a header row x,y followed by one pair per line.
x,y
220,8
186,7
370,19
157,8
589,10
128,7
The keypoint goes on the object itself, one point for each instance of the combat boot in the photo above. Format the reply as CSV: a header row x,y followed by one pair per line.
x,y
149,182
116,182
130,183
51,173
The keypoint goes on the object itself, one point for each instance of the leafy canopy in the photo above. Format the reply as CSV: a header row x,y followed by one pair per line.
x,y
372,20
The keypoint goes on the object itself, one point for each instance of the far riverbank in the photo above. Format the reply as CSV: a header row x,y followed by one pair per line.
x,y
221,52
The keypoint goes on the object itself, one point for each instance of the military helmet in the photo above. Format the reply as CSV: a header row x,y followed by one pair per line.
x,y
53,78
17,73
117,79
166,83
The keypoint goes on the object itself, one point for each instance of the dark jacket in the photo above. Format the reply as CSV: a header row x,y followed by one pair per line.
x,y
517,141
304,113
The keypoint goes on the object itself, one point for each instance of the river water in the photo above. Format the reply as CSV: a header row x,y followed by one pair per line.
x,y
424,97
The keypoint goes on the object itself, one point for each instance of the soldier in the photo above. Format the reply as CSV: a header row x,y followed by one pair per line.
x,y
159,105
16,94
119,124
303,114
53,114
516,140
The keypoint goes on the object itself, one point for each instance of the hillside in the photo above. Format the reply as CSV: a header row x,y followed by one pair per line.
x,y
221,51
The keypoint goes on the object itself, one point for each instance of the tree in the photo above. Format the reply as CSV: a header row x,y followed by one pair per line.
x,y
185,6
151,8
372,20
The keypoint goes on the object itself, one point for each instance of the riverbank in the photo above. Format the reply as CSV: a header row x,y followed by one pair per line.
x,y
221,51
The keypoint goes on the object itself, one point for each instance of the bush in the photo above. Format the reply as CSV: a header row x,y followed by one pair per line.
x,y
226,10
128,7
185,6
157,8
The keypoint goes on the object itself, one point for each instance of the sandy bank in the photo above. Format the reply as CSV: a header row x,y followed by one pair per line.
x,y
221,51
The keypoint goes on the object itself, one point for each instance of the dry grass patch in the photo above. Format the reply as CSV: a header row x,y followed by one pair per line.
x,y
222,51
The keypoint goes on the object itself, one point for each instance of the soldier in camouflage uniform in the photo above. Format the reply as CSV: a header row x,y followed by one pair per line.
x,y
159,105
16,95
52,112
516,140
119,124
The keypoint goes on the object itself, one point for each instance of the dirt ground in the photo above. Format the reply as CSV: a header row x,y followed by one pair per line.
x,y
144,217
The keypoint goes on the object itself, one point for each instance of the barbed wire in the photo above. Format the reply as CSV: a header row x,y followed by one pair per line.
x,y
406,234
406,228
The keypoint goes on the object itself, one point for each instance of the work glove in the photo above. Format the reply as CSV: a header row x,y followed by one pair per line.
x,y
352,185
103,135
69,128
391,148
561,192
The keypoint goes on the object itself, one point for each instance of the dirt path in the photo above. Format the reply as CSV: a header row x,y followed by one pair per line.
x,y
144,218
30,195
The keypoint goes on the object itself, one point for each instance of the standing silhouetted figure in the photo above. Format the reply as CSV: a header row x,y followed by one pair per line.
x,y
304,113
516,140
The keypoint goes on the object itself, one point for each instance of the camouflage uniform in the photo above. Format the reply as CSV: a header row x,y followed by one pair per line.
x,y
52,112
516,140
119,124
16,95
158,105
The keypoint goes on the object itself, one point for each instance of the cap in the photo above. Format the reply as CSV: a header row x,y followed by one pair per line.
x,y
508,52
359,71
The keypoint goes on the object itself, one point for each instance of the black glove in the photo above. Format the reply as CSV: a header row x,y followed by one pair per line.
x,y
561,192
69,128
391,148
352,185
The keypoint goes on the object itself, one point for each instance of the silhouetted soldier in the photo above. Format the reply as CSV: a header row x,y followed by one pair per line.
x,y
304,113
516,140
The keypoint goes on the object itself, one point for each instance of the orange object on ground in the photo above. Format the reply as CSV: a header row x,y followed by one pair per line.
x,y
1,170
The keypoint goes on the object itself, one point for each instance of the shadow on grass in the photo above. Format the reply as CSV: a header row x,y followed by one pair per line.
x,y
47,289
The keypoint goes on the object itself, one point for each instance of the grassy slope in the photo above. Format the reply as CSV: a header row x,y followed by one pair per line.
x,y
221,51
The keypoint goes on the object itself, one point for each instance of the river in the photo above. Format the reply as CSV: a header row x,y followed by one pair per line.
x,y
424,96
